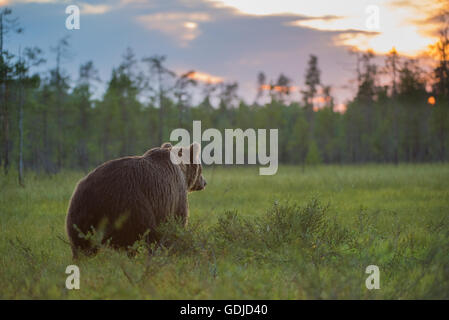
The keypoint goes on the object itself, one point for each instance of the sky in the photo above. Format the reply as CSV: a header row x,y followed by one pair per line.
x,y
231,40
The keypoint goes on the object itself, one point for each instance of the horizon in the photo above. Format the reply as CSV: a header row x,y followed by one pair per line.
x,y
226,40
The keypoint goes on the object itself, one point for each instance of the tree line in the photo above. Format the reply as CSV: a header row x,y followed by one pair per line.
x,y
50,120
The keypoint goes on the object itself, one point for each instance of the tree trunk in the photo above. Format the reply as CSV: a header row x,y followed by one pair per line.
x,y
83,146
161,111
5,125
21,180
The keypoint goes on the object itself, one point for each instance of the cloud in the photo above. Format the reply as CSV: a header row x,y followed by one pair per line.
x,y
134,2
94,9
403,24
86,8
181,26
205,77
235,42
39,1
11,2
316,8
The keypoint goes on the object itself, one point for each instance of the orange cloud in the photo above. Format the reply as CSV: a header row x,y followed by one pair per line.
x,y
404,24
205,77
268,87
181,26
94,9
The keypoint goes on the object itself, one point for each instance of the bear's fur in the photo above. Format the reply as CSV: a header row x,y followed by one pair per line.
x,y
125,198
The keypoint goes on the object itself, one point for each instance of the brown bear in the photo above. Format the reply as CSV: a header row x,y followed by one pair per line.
x,y
126,198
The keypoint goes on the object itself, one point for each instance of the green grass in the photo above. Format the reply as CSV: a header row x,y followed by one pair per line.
x,y
295,235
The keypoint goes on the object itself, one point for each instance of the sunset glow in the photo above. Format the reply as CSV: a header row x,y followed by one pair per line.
x,y
341,108
190,25
204,77
402,24
268,87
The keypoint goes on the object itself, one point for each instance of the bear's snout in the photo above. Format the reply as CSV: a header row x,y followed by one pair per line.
x,y
200,184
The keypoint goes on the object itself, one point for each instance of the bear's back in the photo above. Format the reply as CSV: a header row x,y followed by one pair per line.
x,y
138,192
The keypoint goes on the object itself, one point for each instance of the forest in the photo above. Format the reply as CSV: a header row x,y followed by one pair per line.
x,y
51,121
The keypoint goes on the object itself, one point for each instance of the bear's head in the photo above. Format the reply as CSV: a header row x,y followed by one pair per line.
x,y
189,160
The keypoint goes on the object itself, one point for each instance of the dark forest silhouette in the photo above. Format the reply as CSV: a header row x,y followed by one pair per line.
x,y
50,122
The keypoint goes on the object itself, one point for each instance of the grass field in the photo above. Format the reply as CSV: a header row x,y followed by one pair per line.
x,y
295,235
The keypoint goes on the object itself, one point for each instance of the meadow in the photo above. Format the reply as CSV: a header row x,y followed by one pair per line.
x,y
300,234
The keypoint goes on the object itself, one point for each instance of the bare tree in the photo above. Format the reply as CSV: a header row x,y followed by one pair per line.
x,y
228,94
282,87
312,82
261,81
442,52
87,75
31,58
181,92
208,90
160,72
60,82
7,25
391,67
328,99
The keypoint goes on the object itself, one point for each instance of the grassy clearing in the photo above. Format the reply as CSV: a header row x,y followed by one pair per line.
x,y
295,235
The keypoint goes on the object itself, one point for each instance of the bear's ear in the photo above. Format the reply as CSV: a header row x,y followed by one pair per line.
x,y
195,153
180,155
166,145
